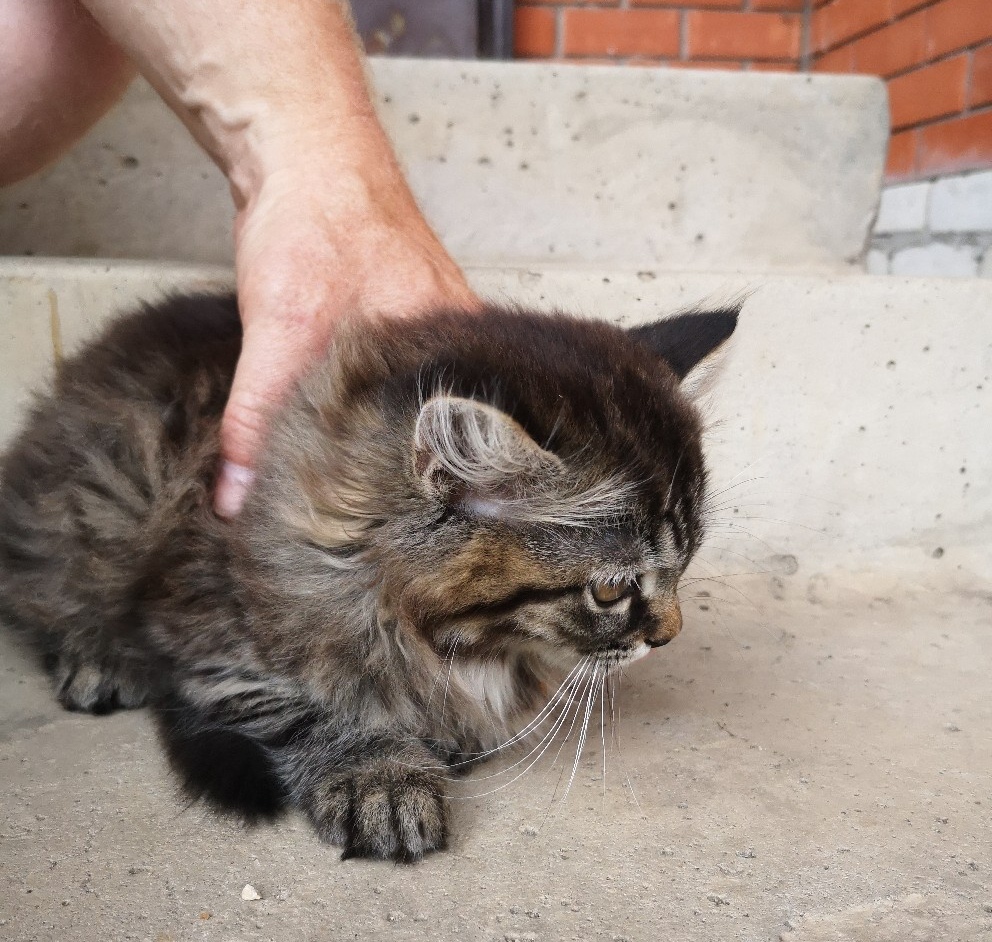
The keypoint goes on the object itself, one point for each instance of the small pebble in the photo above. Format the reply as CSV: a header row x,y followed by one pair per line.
x,y
249,893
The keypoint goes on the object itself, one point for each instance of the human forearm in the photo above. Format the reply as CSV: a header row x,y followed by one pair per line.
x,y
252,81
326,225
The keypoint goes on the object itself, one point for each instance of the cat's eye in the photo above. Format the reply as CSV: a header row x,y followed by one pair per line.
x,y
609,593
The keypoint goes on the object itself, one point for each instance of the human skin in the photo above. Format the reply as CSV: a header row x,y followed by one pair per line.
x,y
59,73
325,224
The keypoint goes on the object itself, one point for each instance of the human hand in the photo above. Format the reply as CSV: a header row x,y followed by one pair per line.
x,y
325,225
317,241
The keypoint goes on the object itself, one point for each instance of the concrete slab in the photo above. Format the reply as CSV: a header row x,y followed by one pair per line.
x,y
810,771
850,412
524,163
810,759
28,342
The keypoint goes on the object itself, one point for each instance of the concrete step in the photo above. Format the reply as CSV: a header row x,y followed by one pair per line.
x,y
524,164
850,423
814,737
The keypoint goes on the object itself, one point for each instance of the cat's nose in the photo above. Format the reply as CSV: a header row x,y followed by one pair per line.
x,y
668,622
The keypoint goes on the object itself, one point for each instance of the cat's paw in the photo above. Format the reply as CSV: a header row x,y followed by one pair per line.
x,y
91,687
385,810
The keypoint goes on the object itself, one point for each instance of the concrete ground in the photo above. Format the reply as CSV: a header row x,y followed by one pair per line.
x,y
808,766
811,758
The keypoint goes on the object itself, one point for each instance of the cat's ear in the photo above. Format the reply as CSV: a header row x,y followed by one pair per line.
x,y
692,344
477,455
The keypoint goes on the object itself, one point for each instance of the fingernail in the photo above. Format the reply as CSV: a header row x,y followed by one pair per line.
x,y
232,488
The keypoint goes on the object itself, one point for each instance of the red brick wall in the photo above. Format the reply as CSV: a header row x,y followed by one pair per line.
x,y
936,56
724,34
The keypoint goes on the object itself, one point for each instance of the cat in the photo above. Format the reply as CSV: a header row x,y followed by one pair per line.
x,y
484,503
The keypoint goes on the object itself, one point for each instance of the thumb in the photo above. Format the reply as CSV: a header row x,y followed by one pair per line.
x,y
266,371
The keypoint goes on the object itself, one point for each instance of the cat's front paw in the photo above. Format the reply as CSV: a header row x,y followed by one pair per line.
x,y
99,687
385,810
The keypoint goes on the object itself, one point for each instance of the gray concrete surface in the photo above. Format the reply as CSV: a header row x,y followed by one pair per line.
x,y
811,759
684,169
851,406
810,770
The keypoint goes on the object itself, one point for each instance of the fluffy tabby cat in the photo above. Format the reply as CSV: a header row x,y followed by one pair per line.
x,y
480,503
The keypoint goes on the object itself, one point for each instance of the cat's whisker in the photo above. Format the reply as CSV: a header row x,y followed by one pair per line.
x,y
602,728
729,508
447,682
561,747
731,526
726,489
542,716
785,523
620,760
729,552
719,581
571,681
696,598
671,483
437,677
545,739
577,704
545,742
582,733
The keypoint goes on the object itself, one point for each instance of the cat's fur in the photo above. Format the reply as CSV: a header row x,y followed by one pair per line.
x,y
439,501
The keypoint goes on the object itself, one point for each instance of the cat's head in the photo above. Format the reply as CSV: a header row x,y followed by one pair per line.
x,y
515,480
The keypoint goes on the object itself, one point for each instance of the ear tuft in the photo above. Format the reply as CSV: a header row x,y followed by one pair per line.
x,y
690,342
475,453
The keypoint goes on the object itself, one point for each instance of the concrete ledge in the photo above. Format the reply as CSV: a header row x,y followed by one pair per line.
x,y
808,762
849,422
523,164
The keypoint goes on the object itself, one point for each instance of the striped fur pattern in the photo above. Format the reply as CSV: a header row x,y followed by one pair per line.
x,y
455,510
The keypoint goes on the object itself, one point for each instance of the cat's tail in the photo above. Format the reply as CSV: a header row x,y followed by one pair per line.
x,y
229,771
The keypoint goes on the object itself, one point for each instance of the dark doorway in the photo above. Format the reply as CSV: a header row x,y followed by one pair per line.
x,y
439,29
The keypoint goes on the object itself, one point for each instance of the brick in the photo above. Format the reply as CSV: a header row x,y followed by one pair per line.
x,y
902,7
731,65
893,48
902,208
901,162
534,32
935,260
837,60
844,19
934,91
980,92
956,24
958,144
743,35
788,66
778,6
714,4
962,204
599,32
